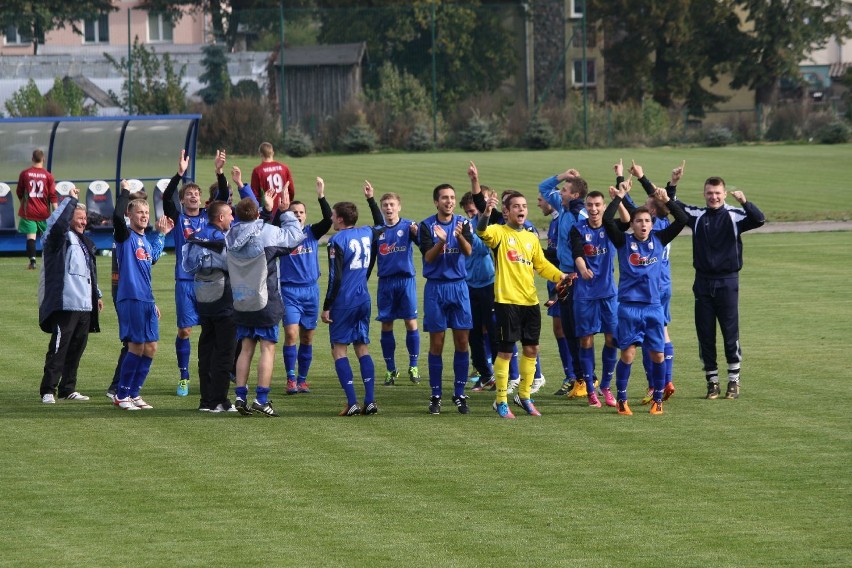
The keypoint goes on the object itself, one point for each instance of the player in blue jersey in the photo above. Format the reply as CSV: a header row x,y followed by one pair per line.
x,y
138,315
445,240
157,239
253,248
568,200
595,303
188,220
640,312
552,303
299,275
351,256
396,296
659,213
480,288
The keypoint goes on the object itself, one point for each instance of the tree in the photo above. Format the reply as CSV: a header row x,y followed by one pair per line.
x,y
665,49
474,53
227,15
158,87
780,33
215,75
38,18
64,99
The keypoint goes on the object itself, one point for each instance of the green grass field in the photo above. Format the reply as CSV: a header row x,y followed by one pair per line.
x,y
760,481
790,182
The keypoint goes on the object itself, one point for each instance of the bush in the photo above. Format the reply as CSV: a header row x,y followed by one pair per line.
x,y
718,136
836,132
246,89
296,143
539,134
359,138
420,139
477,136
64,99
236,125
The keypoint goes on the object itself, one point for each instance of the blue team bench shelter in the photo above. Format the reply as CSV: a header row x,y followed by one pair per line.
x,y
94,154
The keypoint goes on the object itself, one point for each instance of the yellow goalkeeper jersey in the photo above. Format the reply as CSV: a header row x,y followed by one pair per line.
x,y
517,253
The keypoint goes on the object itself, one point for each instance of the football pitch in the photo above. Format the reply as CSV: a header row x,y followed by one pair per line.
x,y
758,481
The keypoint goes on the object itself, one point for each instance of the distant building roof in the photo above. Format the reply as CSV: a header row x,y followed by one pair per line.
x,y
91,90
318,55
838,70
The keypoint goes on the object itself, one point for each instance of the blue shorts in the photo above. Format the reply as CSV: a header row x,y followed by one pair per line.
x,y
137,321
666,300
258,333
446,305
397,298
595,316
553,310
187,309
301,305
641,324
350,324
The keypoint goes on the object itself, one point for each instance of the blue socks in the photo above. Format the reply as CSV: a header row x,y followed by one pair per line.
x,y
344,375
141,374
388,343
305,357
289,352
129,368
368,373
436,369
241,393
182,350
565,357
587,364
658,374
668,351
412,343
461,366
262,394
622,376
608,358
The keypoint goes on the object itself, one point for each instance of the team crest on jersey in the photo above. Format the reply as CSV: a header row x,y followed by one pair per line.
x,y
511,241
331,252
588,237
633,246
601,234
651,246
399,233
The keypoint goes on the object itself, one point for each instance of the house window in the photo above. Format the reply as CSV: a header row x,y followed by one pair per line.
x,y
578,72
591,36
577,7
15,36
96,30
159,28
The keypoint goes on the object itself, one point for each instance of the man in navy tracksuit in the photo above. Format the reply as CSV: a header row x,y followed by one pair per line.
x,y
717,255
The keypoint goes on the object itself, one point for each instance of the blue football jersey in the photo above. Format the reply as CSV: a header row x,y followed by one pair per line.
x,y
598,255
450,265
134,268
350,259
640,266
396,250
185,227
301,266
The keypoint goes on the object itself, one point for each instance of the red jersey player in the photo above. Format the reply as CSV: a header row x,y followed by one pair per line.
x,y
37,192
271,175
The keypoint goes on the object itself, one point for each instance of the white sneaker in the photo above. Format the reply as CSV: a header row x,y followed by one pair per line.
x,y
48,399
537,383
111,396
221,408
125,403
140,404
76,396
512,386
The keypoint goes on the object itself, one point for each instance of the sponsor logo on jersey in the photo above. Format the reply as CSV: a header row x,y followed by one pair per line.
x,y
301,250
637,259
390,248
592,250
516,256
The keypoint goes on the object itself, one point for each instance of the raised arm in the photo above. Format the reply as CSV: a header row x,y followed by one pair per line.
x,y
378,218
322,227
119,228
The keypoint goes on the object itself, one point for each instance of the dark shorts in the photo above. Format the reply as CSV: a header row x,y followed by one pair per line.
x,y
517,323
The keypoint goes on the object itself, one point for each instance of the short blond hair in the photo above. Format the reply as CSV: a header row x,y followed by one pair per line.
x,y
391,195
266,150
